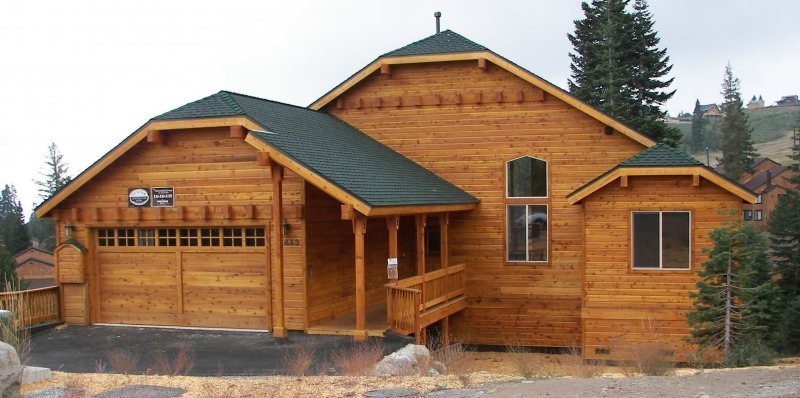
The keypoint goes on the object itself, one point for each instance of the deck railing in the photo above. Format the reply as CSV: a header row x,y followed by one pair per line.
x,y
409,298
38,306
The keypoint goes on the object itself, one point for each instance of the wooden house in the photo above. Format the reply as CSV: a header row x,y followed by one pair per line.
x,y
441,186
769,181
35,266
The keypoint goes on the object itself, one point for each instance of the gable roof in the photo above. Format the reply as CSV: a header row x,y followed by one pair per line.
x,y
346,163
450,46
446,42
660,159
348,158
760,178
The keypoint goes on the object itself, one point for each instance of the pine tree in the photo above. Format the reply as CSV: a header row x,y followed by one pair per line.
x,y
784,230
55,174
42,231
737,302
13,231
8,274
738,152
699,135
618,68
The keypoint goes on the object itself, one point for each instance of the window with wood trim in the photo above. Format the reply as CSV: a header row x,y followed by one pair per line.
x,y
182,237
527,210
661,239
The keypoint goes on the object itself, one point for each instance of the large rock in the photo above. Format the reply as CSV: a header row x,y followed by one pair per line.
x,y
35,374
409,360
10,370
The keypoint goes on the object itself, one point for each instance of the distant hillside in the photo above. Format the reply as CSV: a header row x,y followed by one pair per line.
x,y
768,123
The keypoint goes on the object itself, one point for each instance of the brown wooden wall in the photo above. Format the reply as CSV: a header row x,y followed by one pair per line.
x,y
217,182
468,145
331,258
623,306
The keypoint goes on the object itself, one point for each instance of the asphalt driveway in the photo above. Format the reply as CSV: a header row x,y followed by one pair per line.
x,y
82,348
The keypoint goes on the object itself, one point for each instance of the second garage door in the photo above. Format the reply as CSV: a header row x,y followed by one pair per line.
x,y
199,277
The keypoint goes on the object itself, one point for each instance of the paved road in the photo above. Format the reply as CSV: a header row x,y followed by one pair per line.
x,y
774,382
78,348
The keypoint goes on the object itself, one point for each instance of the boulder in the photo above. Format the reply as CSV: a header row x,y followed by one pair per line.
x,y
10,370
410,360
35,374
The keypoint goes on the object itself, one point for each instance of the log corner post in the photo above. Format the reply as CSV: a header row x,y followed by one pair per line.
x,y
279,325
359,230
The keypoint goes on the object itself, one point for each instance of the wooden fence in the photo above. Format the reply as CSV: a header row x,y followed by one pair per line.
x,y
409,298
32,307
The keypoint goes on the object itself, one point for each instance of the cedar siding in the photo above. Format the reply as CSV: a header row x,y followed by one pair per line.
x,y
468,145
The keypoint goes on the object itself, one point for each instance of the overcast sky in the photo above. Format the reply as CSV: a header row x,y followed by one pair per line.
x,y
85,74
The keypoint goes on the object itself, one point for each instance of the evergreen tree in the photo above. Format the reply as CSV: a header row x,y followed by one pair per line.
x,y
55,173
8,274
42,231
13,231
618,68
738,152
784,230
699,135
737,302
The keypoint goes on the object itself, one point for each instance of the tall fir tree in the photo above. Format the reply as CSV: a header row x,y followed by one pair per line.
x,y
618,68
736,303
784,231
13,231
699,135
738,152
8,274
54,177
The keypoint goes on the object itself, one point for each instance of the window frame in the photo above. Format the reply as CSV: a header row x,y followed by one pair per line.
x,y
758,215
527,201
759,199
660,267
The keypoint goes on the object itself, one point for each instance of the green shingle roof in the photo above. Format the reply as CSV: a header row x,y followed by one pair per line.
x,y
660,155
340,153
446,42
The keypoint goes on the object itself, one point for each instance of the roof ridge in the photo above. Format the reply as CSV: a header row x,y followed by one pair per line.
x,y
228,98
445,34
269,100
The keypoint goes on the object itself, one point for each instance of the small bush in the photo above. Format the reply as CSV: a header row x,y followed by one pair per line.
x,y
751,353
528,364
650,358
577,366
122,361
358,358
181,364
298,361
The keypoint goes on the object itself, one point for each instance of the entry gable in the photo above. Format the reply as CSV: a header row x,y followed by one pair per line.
x,y
661,160
450,46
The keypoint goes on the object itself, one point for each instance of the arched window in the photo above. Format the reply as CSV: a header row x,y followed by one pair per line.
x,y
527,220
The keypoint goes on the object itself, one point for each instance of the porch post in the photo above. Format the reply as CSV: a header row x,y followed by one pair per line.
x,y
420,222
279,327
444,219
359,229
393,224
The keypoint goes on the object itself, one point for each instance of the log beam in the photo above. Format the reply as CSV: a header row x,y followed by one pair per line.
x,y
444,220
393,224
359,230
419,220
279,321
156,137
238,132
623,182
386,69
482,64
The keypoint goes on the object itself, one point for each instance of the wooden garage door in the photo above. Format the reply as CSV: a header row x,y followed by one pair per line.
x,y
200,277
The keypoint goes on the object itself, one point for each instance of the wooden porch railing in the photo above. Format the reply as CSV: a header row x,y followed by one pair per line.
x,y
416,302
38,306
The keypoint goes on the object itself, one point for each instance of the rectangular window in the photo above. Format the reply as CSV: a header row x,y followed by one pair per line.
x,y
758,199
254,237
661,240
105,237
189,237
147,237
126,237
167,237
758,215
232,237
527,233
209,237
747,215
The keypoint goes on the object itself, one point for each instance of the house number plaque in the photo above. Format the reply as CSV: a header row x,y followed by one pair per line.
x,y
291,242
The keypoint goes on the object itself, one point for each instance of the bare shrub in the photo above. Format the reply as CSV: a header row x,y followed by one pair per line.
x,y
100,366
650,357
13,330
465,379
298,361
528,364
575,365
451,357
357,359
122,361
181,365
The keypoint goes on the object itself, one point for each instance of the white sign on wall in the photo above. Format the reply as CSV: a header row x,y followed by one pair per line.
x,y
391,268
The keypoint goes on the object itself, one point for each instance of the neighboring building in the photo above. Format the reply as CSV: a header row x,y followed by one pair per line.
x,y
788,100
708,111
35,266
755,103
510,211
769,181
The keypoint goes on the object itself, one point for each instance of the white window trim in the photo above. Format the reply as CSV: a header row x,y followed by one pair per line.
x,y
546,179
527,252
758,199
660,243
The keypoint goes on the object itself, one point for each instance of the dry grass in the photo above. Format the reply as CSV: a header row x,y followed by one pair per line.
x,y
12,331
576,366
298,360
528,364
180,365
122,361
357,359
650,357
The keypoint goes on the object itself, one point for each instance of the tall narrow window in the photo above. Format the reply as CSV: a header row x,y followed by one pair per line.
x,y
527,215
661,240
